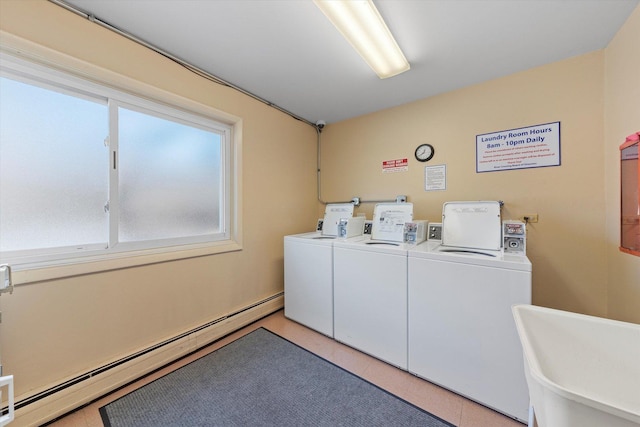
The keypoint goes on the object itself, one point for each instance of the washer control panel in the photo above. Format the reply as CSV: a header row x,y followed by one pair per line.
x,y
435,231
514,234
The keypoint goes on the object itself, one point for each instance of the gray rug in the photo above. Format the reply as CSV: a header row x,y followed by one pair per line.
x,y
262,379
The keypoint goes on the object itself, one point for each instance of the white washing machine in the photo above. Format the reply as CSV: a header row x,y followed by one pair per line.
x,y
370,298
308,281
308,270
370,287
461,332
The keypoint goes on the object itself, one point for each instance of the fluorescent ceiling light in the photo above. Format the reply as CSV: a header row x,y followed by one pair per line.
x,y
361,24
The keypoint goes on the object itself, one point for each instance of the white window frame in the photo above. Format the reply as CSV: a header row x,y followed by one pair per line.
x,y
182,117
119,91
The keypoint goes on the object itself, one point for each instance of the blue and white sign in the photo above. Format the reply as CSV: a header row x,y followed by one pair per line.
x,y
522,148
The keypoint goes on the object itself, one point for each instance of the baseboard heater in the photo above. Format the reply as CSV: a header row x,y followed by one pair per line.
x,y
209,332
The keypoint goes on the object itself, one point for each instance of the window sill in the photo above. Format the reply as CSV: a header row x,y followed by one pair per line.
x,y
98,264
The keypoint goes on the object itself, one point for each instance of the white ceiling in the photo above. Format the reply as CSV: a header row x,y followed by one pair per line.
x,y
288,53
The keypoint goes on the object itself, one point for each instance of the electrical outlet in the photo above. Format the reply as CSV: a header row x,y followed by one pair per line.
x,y
530,218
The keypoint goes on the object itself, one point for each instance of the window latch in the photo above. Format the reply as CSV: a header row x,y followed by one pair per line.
x,y
106,207
6,284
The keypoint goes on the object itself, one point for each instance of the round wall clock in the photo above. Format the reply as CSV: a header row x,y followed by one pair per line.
x,y
424,152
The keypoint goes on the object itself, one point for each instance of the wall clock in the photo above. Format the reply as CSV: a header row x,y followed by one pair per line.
x,y
424,152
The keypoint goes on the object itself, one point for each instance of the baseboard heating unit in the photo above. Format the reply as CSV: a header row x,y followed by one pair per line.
x,y
73,393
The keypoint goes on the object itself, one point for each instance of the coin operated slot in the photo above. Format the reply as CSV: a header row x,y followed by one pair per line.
x,y
415,232
351,227
514,237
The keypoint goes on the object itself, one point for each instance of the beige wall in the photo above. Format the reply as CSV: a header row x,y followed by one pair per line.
x,y
59,328
574,248
622,118
566,245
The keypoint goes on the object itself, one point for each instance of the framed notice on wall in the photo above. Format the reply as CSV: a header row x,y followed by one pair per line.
x,y
522,148
435,178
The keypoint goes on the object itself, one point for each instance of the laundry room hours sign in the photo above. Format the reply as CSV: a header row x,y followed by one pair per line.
x,y
522,148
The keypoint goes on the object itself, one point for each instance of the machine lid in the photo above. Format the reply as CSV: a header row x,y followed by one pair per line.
x,y
472,225
366,244
498,259
466,251
388,221
333,212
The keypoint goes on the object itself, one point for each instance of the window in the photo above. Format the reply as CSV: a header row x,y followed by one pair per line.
x,y
53,181
177,192
88,172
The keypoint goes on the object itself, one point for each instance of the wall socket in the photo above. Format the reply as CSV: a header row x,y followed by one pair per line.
x,y
530,218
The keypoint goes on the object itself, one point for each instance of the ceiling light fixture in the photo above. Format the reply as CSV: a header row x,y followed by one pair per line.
x,y
361,24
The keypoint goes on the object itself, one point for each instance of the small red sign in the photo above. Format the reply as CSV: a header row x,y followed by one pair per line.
x,y
396,165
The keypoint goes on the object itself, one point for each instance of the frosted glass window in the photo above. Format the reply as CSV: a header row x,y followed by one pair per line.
x,y
170,180
53,168
89,172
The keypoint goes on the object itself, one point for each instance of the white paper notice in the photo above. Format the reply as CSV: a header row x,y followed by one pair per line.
x,y
435,178
522,148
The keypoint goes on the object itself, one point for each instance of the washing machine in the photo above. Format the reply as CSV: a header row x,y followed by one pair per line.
x,y
370,287
308,268
461,331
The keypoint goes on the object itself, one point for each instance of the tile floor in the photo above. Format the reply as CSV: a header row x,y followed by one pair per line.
x,y
440,402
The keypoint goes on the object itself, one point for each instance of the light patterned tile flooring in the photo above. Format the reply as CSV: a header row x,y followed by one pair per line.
x,y
436,400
